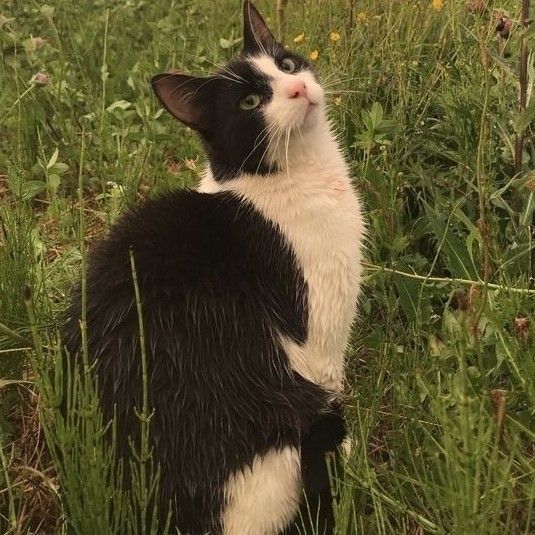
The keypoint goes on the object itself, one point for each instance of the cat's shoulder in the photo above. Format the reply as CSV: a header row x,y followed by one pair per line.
x,y
177,210
187,233
175,218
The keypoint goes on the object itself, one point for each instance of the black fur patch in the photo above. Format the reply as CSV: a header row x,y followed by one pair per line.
x,y
238,140
316,513
239,143
217,282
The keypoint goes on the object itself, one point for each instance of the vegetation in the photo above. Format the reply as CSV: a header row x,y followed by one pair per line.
x,y
441,369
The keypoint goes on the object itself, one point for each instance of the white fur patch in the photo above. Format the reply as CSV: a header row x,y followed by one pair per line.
x,y
262,500
316,207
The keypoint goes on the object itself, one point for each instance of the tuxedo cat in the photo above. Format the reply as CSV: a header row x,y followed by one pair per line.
x,y
249,287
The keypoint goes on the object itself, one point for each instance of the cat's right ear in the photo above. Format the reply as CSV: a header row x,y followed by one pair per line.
x,y
185,97
257,37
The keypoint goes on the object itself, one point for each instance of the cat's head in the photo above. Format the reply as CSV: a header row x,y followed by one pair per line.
x,y
252,109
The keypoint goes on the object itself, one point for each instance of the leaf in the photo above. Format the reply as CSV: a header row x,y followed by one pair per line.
x,y
47,11
524,118
528,211
53,182
4,20
58,168
473,236
452,248
224,43
31,189
121,104
409,291
376,114
53,159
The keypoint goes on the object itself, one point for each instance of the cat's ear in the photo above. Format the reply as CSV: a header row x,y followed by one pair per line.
x,y
185,97
257,37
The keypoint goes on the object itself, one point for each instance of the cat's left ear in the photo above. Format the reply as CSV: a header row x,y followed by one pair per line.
x,y
257,37
187,98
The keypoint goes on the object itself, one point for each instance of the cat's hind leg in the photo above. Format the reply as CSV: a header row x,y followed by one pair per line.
x,y
263,498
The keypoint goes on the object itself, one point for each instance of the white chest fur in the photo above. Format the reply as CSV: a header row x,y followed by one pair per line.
x,y
317,209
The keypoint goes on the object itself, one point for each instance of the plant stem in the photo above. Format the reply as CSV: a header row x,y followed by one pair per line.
x,y
104,75
83,252
281,19
11,499
144,417
523,79
350,10
483,223
450,280
31,86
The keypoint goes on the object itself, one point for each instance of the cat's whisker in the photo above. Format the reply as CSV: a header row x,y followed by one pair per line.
x,y
346,92
268,149
261,159
232,75
191,94
280,138
273,146
230,79
222,68
328,77
266,131
286,151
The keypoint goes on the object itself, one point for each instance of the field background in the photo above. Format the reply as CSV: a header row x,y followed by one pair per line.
x,y
441,368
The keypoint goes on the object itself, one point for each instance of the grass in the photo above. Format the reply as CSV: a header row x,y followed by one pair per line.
x,y
441,368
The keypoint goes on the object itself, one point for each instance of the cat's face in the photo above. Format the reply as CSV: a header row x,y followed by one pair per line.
x,y
251,110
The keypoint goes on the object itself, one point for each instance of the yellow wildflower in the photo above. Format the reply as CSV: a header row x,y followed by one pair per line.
x,y
299,38
314,55
437,4
362,17
335,36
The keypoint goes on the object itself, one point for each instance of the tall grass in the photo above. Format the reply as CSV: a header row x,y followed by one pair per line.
x,y
441,368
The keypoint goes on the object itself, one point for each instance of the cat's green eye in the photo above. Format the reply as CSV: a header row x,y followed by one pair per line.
x,y
288,65
250,101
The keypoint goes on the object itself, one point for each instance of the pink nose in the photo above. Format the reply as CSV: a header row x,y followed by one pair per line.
x,y
296,88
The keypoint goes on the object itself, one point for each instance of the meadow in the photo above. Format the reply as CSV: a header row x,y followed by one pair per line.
x,y
424,96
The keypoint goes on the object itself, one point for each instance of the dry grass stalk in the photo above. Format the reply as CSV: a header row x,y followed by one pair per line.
x,y
498,398
281,19
32,474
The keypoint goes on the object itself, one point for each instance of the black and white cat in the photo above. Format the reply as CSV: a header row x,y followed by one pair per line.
x,y
249,287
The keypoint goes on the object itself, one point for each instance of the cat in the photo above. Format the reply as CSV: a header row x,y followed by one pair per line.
x,y
249,286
